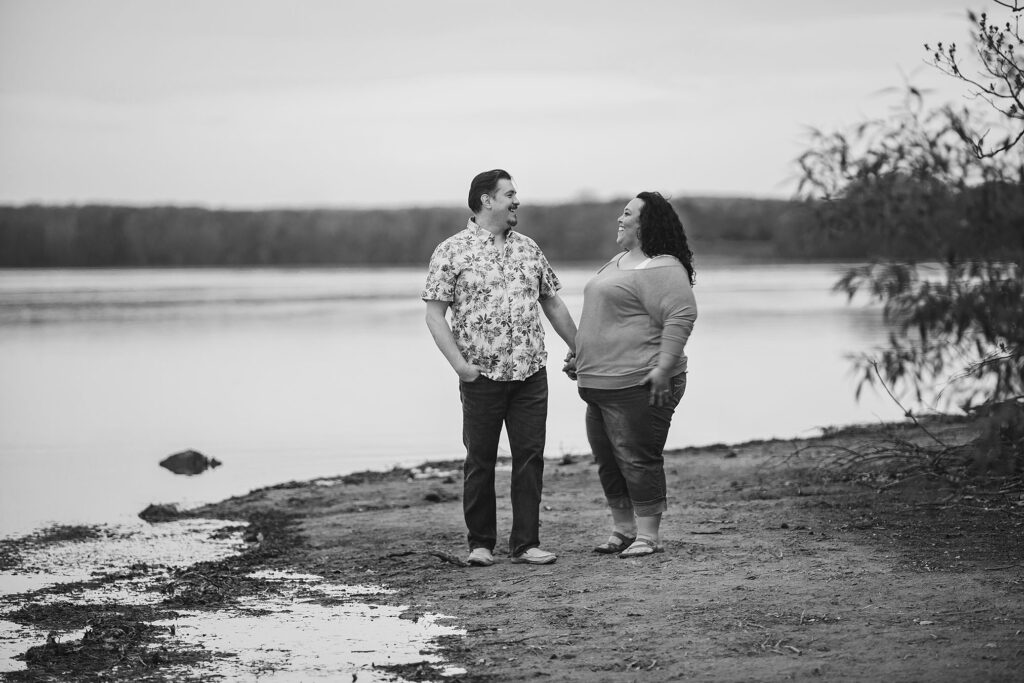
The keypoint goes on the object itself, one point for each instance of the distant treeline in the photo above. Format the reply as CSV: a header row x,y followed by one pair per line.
x,y
73,236
64,236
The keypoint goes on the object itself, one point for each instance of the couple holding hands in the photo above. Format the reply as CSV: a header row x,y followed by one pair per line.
x,y
627,357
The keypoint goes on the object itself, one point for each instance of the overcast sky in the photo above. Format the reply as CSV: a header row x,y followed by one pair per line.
x,y
253,103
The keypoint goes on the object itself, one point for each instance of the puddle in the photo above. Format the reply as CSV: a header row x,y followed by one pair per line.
x,y
15,639
112,552
309,634
301,628
174,544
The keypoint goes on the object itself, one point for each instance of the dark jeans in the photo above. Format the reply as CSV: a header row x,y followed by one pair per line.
x,y
627,436
522,406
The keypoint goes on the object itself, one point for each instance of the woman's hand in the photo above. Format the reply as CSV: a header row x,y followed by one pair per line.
x,y
660,386
570,365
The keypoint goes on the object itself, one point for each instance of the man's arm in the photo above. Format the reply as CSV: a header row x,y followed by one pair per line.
x,y
558,314
445,340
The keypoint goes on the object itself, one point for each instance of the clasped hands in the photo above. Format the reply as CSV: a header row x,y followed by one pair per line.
x,y
570,366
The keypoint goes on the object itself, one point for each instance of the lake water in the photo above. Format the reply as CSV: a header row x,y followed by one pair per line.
x,y
299,373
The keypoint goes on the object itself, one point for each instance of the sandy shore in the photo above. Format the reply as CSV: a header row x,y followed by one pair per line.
x,y
777,567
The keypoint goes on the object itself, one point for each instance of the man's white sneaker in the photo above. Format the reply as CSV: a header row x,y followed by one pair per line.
x,y
480,557
534,556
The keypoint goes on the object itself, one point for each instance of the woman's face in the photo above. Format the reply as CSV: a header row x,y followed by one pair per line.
x,y
629,225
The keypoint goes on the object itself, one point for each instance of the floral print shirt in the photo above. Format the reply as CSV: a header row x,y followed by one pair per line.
x,y
494,299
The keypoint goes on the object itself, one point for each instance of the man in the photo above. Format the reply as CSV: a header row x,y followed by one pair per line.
x,y
493,278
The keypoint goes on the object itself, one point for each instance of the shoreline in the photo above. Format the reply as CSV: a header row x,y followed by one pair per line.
x,y
775,567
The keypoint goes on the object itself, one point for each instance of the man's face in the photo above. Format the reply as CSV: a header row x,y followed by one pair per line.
x,y
504,203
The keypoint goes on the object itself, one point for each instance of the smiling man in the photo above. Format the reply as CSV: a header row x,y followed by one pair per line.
x,y
495,281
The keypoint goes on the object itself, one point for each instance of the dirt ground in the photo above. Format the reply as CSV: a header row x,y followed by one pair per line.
x,y
779,565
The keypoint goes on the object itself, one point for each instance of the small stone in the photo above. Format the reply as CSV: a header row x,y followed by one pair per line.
x,y
160,513
189,462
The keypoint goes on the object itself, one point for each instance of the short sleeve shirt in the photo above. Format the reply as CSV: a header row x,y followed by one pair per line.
x,y
494,298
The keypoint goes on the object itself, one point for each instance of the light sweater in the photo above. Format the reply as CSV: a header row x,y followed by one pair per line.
x,y
629,318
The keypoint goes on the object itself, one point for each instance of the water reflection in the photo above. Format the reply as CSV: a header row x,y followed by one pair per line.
x,y
308,630
110,552
303,628
114,549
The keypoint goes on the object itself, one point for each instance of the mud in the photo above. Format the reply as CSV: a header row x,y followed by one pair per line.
x,y
785,560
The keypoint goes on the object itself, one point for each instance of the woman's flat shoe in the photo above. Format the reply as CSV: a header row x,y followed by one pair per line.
x,y
641,547
615,543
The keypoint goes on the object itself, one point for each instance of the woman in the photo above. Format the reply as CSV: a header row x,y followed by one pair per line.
x,y
638,312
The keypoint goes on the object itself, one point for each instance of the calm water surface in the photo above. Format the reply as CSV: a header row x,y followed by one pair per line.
x,y
295,374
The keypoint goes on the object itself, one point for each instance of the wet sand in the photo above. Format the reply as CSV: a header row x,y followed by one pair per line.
x,y
779,565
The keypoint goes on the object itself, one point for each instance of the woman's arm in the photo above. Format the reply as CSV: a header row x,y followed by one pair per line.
x,y
668,299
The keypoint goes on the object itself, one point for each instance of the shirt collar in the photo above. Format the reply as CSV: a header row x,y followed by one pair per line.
x,y
484,233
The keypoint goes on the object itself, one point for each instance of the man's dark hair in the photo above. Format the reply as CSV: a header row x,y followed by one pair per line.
x,y
485,183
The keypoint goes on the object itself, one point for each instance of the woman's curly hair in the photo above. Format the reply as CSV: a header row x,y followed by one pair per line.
x,y
661,231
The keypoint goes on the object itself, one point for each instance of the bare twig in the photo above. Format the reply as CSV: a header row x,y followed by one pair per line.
x,y
508,642
529,576
874,364
1016,6
448,557
957,612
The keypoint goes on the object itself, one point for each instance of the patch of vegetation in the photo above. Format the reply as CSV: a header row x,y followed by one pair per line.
x,y
938,193
67,616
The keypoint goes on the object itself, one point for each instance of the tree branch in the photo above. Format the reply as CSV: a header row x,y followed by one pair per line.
x,y
906,412
1015,7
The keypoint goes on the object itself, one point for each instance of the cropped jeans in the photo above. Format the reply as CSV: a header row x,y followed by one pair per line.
x,y
627,436
522,407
